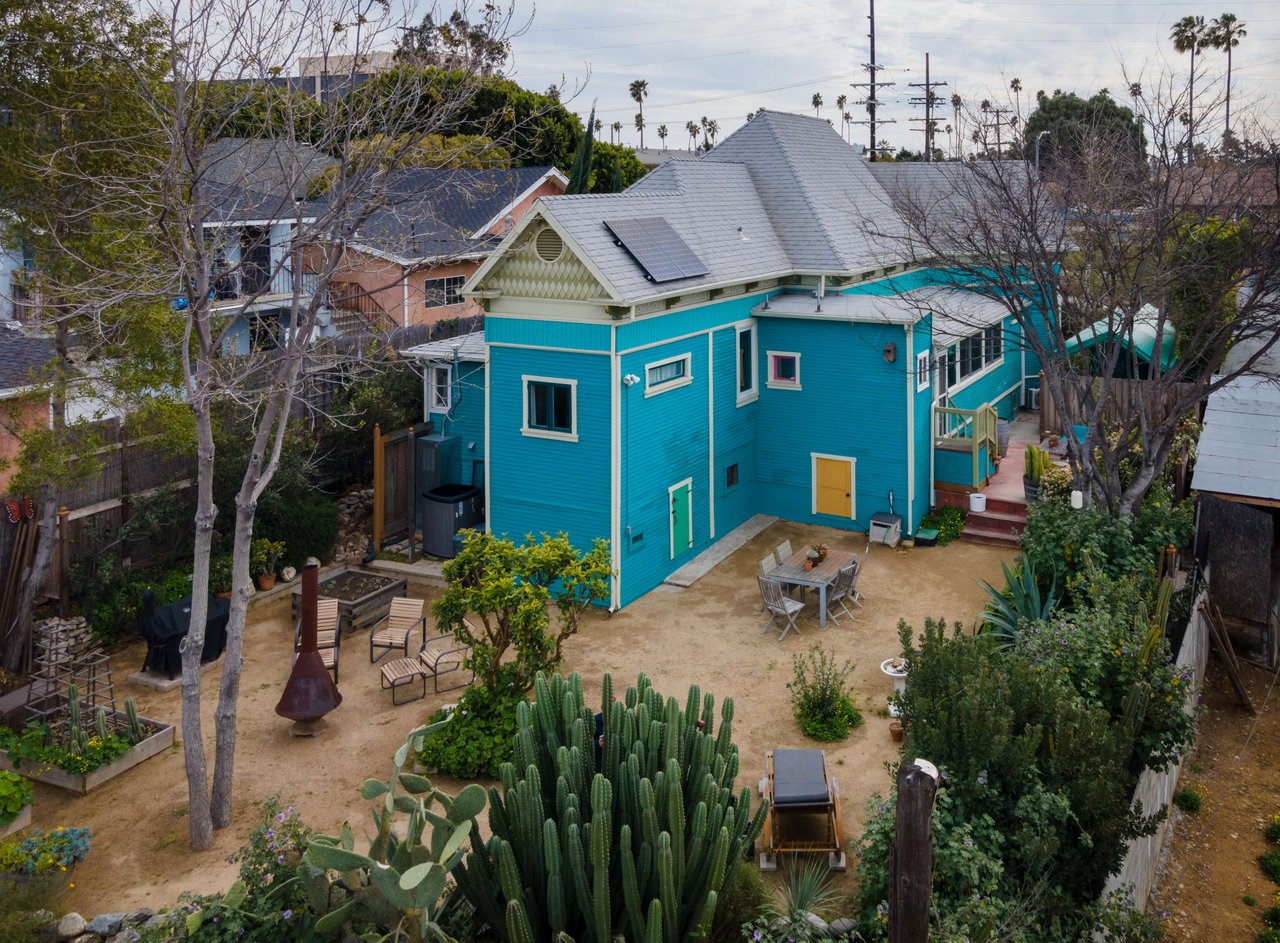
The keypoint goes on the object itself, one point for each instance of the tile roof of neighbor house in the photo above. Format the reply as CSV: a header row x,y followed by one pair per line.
x,y
470,347
21,356
1239,449
434,213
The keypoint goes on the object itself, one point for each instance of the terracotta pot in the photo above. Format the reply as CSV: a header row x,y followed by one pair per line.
x,y
224,595
808,564
266,581
896,730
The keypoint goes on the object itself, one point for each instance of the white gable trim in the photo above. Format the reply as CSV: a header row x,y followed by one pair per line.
x,y
551,174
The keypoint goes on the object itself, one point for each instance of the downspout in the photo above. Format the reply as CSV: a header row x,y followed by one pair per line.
x,y
404,300
615,470
908,329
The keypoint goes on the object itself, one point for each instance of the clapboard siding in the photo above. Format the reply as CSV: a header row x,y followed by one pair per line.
x,y
659,328
549,485
736,427
922,435
993,387
528,332
466,420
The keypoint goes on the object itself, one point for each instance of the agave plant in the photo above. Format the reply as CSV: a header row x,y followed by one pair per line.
x,y
1019,604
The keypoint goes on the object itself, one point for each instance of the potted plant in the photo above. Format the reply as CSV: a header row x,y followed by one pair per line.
x,y
1036,462
264,555
220,575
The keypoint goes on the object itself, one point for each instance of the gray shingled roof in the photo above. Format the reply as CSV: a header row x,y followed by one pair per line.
x,y
21,356
824,203
1239,448
432,213
470,347
271,168
713,207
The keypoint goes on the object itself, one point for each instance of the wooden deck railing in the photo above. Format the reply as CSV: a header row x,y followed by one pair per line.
x,y
967,430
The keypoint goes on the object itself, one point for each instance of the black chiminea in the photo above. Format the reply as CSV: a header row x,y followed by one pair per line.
x,y
310,692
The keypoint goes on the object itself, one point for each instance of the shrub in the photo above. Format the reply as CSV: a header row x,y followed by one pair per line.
x,y
820,696
1272,831
25,907
40,852
264,556
948,521
15,795
744,900
110,594
1188,799
1270,864
307,525
220,568
477,740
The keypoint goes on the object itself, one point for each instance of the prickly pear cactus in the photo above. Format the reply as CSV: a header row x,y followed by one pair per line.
x,y
633,837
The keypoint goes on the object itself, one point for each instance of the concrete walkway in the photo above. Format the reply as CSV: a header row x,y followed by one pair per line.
x,y
706,561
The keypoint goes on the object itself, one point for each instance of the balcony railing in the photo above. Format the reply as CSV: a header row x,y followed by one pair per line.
x,y
249,283
355,309
961,430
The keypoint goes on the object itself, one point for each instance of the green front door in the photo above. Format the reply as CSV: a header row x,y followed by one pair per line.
x,y
681,519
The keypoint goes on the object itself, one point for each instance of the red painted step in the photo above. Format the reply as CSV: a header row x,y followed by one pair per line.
x,y
1016,507
992,536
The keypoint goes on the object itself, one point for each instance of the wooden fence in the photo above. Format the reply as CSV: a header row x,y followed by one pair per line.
x,y
1155,789
1123,398
394,478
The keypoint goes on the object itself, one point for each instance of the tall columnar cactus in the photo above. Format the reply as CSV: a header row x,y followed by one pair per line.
x,y
134,731
77,742
633,839
398,885
1037,462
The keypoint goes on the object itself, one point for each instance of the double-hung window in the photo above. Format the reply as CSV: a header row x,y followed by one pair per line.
x,y
994,342
922,371
440,388
970,355
550,408
664,375
444,291
746,363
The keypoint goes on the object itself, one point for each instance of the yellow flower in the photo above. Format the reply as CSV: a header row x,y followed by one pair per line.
x,y
72,885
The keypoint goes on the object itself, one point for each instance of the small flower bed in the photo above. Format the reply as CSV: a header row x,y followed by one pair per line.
x,y
34,745
15,795
44,852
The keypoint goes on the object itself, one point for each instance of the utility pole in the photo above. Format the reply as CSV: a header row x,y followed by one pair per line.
x,y
911,857
871,85
998,122
928,100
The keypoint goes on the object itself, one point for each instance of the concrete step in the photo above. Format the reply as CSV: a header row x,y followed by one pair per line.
x,y
997,520
1007,505
991,535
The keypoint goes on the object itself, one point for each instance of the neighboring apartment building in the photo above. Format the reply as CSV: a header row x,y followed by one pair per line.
x,y
723,339
411,259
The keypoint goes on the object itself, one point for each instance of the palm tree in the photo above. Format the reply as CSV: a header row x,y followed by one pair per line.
x,y
691,127
750,115
705,123
713,128
956,102
841,101
639,90
599,126
1190,34
662,135
848,121
1015,86
615,128
1226,33
816,101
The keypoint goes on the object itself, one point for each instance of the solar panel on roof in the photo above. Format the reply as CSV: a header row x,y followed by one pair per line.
x,y
657,248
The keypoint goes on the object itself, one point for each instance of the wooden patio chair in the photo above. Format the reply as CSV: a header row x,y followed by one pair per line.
x,y
804,814
404,617
841,592
779,606
782,552
439,655
855,596
328,635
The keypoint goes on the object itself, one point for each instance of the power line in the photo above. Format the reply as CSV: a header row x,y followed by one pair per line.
x,y
927,99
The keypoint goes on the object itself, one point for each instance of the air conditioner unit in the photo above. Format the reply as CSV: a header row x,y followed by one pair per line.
x,y
1033,399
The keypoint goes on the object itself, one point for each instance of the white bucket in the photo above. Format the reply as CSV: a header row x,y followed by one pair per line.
x,y
977,503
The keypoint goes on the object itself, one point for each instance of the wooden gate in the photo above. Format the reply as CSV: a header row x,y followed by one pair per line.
x,y
394,478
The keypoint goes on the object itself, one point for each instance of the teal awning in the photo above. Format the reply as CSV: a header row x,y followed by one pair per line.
x,y
1141,341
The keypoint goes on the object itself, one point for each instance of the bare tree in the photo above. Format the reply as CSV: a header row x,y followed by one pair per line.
x,y
1183,257
225,59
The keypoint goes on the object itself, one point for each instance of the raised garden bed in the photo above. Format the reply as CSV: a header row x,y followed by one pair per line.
x,y
364,598
18,824
82,783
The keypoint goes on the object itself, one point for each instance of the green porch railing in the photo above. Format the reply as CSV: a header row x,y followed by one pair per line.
x,y
967,430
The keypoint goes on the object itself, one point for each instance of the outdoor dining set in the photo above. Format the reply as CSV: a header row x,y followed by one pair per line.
x,y
785,574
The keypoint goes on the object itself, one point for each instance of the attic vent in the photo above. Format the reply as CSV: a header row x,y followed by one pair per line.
x,y
548,245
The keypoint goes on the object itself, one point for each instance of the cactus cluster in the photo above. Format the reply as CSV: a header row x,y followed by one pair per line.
x,y
398,885
135,733
632,839
77,742
1037,461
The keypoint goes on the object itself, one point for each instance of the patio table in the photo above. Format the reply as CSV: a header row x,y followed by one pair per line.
x,y
820,577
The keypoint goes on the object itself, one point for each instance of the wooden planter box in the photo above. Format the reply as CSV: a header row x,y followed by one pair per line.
x,y
82,783
18,824
362,613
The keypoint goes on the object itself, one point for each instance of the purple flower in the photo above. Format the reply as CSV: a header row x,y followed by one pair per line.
x,y
968,842
271,833
757,936
287,914
280,817
279,859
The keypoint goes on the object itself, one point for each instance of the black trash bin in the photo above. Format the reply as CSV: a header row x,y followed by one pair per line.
x,y
447,509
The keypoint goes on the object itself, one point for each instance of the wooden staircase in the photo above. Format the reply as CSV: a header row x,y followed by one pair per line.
x,y
1001,525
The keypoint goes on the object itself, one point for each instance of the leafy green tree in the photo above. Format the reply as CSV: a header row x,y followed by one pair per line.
x,y
614,164
458,43
510,588
580,172
1075,123
472,151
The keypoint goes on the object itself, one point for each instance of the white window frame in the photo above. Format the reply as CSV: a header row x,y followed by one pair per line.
x,y
652,389
429,286
853,482
434,403
987,365
752,393
773,384
671,531
572,434
923,378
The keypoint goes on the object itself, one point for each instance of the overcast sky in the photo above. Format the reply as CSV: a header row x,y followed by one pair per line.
x,y
722,59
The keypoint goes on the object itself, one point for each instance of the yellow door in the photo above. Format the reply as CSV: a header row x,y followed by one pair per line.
x,y
834,487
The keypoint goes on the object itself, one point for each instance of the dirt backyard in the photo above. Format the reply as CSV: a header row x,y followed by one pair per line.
x,y
1211,863
708,634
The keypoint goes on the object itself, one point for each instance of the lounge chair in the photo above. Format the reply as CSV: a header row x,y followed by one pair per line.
x,y
779,606
404,617
439,655
841,592
804,814
328,635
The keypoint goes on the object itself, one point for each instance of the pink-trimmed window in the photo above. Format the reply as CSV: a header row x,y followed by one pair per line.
x,y
784,370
